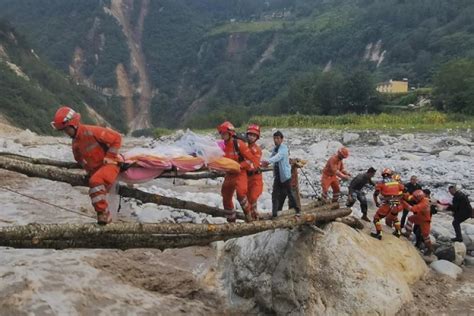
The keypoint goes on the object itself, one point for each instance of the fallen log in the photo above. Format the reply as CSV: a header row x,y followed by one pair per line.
x,y
194,175
161,236
81,179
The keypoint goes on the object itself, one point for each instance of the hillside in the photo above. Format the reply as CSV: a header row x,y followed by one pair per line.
x,y
183,62
31,90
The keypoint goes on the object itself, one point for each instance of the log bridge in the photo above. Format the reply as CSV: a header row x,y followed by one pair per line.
x,y
137,235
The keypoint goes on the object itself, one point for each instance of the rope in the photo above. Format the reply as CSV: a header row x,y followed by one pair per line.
x,y
47,203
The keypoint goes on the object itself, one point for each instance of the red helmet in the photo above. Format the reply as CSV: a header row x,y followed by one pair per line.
x,y
387,171
64,117
343,152
418,195
254,129
226,127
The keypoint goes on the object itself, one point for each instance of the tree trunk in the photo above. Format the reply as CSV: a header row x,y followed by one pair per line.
x,y
194,175
81,179
162,236
76,178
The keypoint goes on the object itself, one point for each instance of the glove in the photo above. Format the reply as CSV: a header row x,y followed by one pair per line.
x,y
110,161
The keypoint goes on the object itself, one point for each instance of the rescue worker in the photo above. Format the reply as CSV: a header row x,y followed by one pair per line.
x,y
421,217
410,187
237,150
461,208
356,191
392,192
96,149
332,172
281,176
254,175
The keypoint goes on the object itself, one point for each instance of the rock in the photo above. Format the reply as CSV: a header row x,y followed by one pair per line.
x,y
348,138
407,137
296,141
378,153
469,261
446,252
430,259
446,268
460,150
460,252
446,155
412,157
151,214
298,272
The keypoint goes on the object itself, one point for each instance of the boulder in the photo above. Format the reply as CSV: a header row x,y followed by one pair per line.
x,y
303,272
407,137
447,155
469,261
446,268
348,138
412,157
460,252
446,252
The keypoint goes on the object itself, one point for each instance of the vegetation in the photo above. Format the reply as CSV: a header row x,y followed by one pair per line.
x,y
209,52
32,99
430,120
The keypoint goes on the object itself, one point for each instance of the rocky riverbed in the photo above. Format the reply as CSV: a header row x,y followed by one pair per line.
x,y
284,272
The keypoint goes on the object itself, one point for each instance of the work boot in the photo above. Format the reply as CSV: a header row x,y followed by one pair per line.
x,y
376,235
255,216
104,218
397,233
365,218
248,217
231,216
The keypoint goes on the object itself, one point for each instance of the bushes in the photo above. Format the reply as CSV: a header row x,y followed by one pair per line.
x,y
431,120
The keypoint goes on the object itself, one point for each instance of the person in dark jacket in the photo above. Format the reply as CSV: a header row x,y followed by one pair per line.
x,y
410,187
356,192
461,208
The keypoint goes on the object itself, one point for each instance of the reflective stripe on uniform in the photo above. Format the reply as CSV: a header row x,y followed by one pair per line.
x,y
97,189
91,146
98,198
88,133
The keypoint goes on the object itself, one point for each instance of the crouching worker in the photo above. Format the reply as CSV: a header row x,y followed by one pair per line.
x,y
391,192
237,150
356,191
422,217
96,149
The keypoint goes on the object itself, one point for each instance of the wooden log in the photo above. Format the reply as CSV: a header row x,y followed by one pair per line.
x,y
194,175
81,179
131,235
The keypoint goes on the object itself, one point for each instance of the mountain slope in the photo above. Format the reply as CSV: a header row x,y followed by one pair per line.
x,y
31,91
215,56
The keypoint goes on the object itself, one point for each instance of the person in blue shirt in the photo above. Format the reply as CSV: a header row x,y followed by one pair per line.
x,y
281,176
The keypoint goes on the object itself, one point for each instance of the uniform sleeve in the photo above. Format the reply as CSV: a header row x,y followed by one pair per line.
x,y
109,137
420,207
252,161
282,152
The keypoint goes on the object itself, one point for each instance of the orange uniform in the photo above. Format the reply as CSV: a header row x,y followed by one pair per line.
x,y
422,217
391,190
255,179
333,168
90,146
238,181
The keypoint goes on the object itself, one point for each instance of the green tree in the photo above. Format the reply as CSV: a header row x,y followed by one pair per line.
x,y
454,86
